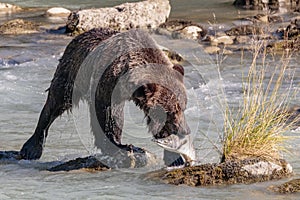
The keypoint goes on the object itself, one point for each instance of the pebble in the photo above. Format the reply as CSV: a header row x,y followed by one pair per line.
x,y
192,32
212,49
58,12
8,7
226,40
243,39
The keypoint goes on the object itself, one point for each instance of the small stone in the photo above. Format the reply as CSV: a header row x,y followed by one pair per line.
x,y
227,52
244,30
179,29
243,39
220,34
212,50
192,32
226,40
173,56
264,18
175,25
58,12
8,7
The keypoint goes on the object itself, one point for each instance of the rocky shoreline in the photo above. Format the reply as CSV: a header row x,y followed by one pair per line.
x,y
281,31
245,171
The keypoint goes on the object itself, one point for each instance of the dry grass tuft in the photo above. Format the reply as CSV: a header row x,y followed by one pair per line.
x,y
257,128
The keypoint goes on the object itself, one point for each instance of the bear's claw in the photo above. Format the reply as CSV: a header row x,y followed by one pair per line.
x,y
31,150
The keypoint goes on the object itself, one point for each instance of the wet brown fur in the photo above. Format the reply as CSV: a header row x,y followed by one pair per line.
x,y
141,73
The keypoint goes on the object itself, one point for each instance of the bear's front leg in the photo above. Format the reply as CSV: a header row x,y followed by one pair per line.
x,y
54,107
107,124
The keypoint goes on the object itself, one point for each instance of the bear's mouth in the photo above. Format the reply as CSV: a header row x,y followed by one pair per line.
x,y
181,144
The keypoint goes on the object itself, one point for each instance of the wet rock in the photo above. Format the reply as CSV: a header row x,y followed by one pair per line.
x,y
175,25
174,57
58,12
19,26
244,30
243,39
289,37
5,7
89,163
121,159
263,18
193,32
294,117
9,155
247,171
212,49
225,40
217,50
292,31
291,186
285,45
6,62
281,5
179,29
144,14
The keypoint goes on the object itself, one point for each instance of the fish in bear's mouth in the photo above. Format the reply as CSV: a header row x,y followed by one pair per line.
x,y
181,144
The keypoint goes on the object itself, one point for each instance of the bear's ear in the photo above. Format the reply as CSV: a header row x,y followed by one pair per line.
x,y
179,68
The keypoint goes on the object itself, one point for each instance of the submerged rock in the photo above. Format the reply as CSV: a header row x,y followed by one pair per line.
x,y
229,172
144,14
174,57
281,5
121,159
90,163
244,30
289,37
19,26
243,39
264,18
291,31
175,25
226,40
9,155
291,186
294,117
101,162
182,29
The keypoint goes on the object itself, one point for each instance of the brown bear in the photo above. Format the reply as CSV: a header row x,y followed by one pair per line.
x,y
106,68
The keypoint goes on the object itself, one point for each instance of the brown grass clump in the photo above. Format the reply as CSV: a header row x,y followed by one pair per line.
x,y
257,128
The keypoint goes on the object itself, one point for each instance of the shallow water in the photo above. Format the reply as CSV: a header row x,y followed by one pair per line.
x,y
27,64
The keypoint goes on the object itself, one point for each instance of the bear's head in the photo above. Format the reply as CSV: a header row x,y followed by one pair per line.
x,y
164,103
164,106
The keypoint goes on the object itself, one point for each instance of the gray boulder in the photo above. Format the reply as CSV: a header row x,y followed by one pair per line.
x,y
144,14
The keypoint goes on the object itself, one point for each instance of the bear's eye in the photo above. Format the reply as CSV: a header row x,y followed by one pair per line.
x,y
179,68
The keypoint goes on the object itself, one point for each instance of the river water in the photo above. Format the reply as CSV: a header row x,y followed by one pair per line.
x,y
27,64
